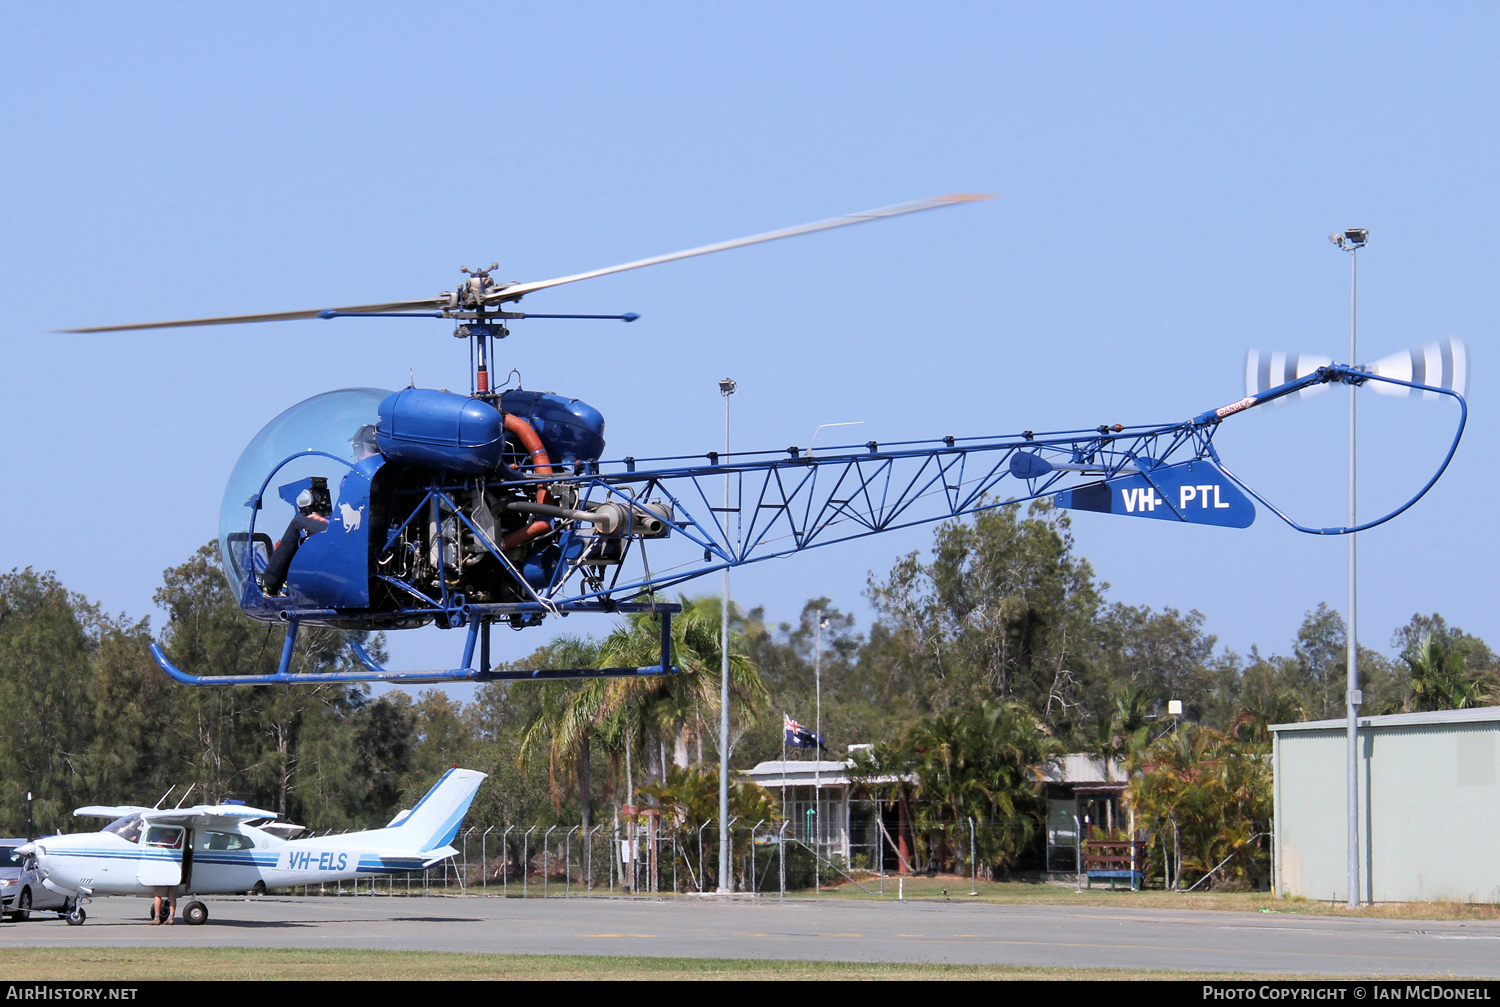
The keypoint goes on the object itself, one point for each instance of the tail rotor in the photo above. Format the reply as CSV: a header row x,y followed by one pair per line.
x,y
1443,364
1264,371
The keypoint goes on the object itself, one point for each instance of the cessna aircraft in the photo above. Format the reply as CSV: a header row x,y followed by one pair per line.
x,y
212,850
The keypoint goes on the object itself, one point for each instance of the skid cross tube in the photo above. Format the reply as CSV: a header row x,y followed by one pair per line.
x,y
376,673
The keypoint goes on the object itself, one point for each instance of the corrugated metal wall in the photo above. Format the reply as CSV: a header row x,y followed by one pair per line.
x,y
1429,813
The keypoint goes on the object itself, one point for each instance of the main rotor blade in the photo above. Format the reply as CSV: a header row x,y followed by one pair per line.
x,y
515,291
281,316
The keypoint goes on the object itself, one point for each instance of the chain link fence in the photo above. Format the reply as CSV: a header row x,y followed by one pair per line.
x,y
769,858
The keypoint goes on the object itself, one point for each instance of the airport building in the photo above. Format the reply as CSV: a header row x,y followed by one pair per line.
x,y
854,817
1429,807
1085,796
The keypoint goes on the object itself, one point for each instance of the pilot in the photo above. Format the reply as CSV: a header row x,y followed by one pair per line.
x,y
363,443
309,520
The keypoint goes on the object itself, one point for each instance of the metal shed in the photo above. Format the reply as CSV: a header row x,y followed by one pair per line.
x,y
1429,807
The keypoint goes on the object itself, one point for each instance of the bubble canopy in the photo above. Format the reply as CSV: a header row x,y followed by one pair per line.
x,y
327,423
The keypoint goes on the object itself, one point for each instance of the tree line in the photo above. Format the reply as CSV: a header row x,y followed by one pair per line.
x,y
990,653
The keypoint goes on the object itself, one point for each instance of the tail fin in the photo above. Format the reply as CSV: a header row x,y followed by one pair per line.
x,y
435,819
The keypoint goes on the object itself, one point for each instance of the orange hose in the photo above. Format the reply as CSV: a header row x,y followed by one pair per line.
x,y
542,465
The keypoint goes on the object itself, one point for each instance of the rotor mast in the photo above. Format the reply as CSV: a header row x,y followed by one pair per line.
x,y
475,325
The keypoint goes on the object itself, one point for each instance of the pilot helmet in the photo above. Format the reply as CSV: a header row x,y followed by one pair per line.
x,y
304,500
363,442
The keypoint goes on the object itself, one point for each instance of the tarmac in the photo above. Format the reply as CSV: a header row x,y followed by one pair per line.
x,y
951,932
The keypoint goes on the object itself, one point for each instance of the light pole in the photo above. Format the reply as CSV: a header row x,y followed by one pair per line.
x,y
818,627
1352,241
726,389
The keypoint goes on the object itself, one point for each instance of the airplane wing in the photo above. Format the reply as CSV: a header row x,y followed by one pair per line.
x,y
109,811
205,814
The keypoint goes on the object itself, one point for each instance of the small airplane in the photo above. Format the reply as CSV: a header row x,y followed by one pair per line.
x,y
213,850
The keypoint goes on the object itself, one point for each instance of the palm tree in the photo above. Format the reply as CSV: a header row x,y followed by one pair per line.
x,y
626,714
1205,796
689,799
980,762
555,725
1439,678
1128,727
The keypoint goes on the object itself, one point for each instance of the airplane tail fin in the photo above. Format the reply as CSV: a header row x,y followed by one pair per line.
x,y
435,819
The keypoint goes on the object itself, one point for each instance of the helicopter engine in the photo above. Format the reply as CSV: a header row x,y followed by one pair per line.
x,y
499,532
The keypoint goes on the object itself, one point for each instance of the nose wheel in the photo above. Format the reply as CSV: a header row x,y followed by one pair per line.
x,y
195,914
76,916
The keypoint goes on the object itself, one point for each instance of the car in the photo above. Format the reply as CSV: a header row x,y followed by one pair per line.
x,y
21,888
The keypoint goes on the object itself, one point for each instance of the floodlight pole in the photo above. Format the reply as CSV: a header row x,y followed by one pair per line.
x,y
1352,241
726,389
817,745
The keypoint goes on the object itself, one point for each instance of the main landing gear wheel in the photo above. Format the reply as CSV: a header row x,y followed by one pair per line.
x,y
195,914
23,906
76,917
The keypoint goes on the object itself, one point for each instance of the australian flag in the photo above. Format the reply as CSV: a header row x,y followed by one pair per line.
x,y
797,736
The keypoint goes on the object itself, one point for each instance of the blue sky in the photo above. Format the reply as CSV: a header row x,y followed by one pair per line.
x,y
1168,176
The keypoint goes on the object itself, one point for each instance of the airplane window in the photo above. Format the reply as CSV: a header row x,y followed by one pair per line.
x,y
127,828
9,857
162,835
226,841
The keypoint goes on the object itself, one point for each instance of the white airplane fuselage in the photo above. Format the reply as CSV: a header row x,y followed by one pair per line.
x,y
211,850
184,861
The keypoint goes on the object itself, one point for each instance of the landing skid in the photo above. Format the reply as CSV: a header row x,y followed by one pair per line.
x,y
478,635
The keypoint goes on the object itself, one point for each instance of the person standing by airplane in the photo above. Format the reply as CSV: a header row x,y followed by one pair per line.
x,y
164,905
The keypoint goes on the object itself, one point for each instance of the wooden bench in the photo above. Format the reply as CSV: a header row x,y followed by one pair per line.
x,y
1113,861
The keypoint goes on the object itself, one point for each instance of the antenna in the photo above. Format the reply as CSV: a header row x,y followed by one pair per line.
x,y
185,793
164,796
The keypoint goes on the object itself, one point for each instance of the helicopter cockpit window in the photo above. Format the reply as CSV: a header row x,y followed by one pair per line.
x,y
340,424
127,828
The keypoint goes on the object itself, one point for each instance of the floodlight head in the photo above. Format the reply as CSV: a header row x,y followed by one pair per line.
x,y
726,386
1351,240
1174,707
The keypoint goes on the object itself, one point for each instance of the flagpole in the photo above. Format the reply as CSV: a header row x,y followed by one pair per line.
x,y
784,719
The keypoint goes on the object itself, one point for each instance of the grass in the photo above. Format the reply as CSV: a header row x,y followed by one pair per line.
x,y
1032,893
126,964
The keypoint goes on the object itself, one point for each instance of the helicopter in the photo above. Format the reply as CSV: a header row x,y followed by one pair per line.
x,y
415,507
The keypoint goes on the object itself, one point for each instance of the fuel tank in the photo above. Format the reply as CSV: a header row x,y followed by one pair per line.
x,y
441,430
571,430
